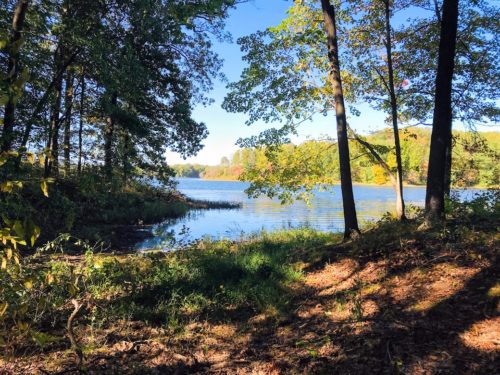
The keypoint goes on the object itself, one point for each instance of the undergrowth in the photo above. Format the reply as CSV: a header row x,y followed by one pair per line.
x,y
208,280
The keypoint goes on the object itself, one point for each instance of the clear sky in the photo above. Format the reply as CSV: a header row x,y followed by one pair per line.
x,y
225,128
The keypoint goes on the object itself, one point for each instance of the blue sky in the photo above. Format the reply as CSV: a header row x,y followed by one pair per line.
x,y
225,128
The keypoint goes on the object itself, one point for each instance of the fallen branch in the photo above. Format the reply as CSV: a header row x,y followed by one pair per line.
x,y
71,335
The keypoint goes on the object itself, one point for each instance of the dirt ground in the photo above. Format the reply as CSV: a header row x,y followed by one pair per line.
x,y
390,312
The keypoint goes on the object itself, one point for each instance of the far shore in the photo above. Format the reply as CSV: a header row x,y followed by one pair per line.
x,y
358,183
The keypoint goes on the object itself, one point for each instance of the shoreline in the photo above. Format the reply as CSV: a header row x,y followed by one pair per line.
x,y
355,183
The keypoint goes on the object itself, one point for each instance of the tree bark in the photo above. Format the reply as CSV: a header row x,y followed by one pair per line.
x,y
68,112
108,138
52,163
447,172
400,204
45,97
80,128
13,68
126,154
442,121
350,218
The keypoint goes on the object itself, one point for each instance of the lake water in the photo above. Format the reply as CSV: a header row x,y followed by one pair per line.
x,y
324,212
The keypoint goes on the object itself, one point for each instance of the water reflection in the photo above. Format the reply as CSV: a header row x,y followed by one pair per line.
x,y
324,212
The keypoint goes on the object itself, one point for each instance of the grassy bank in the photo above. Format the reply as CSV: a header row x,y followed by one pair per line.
x,y
91,208
397,299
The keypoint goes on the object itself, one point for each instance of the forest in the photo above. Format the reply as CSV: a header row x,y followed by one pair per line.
x,y
95,96
476,160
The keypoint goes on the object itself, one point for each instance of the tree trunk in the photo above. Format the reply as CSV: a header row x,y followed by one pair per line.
x,y
108,138
400,204
80,128
52,163
13,73
45,97
68,104
350,218
442,121
447,173
126,162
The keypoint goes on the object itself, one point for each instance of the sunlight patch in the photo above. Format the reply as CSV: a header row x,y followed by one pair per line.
x,y
484,335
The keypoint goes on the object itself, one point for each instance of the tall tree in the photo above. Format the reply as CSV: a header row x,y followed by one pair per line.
x,y
287,80
80,122
476,74
13,71
67,118
377,78
442,121
350,218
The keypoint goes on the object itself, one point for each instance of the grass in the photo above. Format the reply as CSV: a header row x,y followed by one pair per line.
x,y
272,303
213,276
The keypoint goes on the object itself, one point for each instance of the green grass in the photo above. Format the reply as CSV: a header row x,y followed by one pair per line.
x,y
210,280
213,276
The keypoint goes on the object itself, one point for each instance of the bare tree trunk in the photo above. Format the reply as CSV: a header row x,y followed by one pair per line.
x,y
13,73
45,97
52,163
442,121
68,112
447,175
400,204
350,218
80,128
126,154
449,149
108,138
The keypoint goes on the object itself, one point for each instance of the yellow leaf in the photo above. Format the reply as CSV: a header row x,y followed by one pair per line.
x,y
4,263
41,159
3,308
50,278
28,284
9,253
22,326
31,157
45,188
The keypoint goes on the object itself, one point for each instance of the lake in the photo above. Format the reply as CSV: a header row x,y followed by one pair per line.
x,y
324,212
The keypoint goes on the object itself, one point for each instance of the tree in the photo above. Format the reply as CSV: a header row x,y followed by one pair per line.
x,y
287,81
350,218
442,121
155,56
476,74
378,81
12,83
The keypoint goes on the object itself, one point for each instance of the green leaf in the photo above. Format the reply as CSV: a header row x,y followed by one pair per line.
x,y
4,99
43,339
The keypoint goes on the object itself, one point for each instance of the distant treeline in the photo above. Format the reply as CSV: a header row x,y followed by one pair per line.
x,y
475,159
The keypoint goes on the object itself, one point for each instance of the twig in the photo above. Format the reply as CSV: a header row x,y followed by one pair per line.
x,y
71,334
